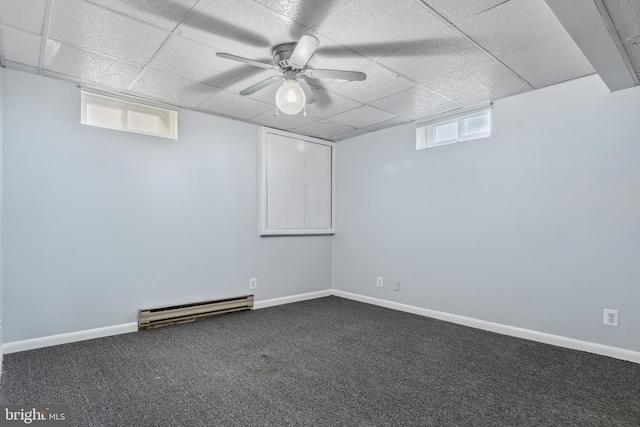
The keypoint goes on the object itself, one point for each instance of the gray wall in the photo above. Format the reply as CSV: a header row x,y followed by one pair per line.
x,y
536,227
99,223
1,208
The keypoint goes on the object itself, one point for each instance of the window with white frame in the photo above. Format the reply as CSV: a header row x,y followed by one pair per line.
x,y
127,115
453,129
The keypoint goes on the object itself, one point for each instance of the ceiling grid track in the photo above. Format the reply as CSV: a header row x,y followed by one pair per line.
x,y
45,34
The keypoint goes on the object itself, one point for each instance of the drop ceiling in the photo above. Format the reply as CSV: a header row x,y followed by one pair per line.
x,y
422,58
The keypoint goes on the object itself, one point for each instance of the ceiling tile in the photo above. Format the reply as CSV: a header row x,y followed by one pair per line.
x,y
197,62
21,46
24,14
93,28
329,104
380,83
389,123
479,79
362,117
172,89
434,111
513,26
444,53
165,14
375,28
459,10
305,12
240,27
412,100
89,66
486,98
624,14
350,134
548,63
323,129
331,55
283,121
230,104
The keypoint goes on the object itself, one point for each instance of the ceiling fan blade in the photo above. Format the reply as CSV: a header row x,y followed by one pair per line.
x,y
308,93
304,51
247,61
335,74
261,85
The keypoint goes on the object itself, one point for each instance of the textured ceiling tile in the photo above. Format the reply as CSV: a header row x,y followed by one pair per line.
x,y
240,27
331,55
513,26
172,89
485,98
89,66
362,117
323,129
94,28
388,124
411,101
305,12
234,105
459,10
24,14
283,121
548,63
434,111
329,104
625,15
21,47
443,53
165,14
479,79
350,134
197,62
380,83
375,28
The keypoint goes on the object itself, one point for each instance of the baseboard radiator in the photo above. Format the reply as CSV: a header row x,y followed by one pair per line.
x,y
168,315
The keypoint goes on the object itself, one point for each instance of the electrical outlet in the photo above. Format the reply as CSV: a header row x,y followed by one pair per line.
x,y
397,285
379,282
610,317
253,283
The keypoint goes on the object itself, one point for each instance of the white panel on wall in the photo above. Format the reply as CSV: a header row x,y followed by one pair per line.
x,y
296,184
317,197
285,182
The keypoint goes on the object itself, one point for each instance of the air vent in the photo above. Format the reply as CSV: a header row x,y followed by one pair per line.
x,y
163,316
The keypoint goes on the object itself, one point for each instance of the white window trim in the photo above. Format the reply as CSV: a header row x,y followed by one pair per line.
x,y
459,117
167,114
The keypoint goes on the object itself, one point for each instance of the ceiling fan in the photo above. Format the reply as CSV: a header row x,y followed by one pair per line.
x,y
291,60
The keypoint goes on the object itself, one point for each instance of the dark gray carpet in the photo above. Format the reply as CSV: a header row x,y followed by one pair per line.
x,y
326,362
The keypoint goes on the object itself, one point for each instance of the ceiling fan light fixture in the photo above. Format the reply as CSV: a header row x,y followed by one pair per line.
x,y
290,98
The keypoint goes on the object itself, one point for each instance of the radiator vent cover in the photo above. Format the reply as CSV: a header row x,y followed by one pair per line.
x,y
162,316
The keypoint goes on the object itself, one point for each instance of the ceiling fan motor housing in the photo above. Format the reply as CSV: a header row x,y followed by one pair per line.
x,y
282,54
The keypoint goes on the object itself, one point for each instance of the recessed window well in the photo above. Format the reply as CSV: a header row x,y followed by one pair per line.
x,y
452,129
120,114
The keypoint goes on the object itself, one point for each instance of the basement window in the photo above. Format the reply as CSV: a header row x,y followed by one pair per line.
x,y
110,112
464,127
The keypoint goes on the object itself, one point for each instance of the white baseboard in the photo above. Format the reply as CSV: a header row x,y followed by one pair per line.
x,y
31,344
14,347
293,298
559,341
604,350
